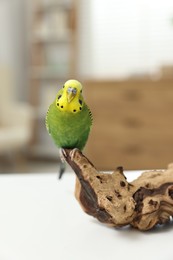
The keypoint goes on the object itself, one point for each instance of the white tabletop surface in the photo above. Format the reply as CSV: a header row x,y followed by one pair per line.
x,y
40,219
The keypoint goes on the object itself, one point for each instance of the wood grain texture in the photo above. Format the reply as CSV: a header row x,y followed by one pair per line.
x,y
133,123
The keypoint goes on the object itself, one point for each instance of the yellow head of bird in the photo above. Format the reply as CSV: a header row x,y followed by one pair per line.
x,y
72,88
70,99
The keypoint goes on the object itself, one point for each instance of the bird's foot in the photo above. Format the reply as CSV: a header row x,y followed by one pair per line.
x,y
62,155
72,153
62,167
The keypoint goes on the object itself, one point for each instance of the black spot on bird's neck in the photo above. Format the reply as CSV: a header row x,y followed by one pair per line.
x,y
59,97
61,106
74,110
80,101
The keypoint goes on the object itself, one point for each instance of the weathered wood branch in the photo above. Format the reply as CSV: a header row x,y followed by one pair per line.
x,y
143,203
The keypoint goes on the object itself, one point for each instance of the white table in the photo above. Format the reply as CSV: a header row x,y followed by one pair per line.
x,y
41,220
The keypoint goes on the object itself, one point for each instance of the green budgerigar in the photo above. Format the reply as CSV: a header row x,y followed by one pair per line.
x,y
69,119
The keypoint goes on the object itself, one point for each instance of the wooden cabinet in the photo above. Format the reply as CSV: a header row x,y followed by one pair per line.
x,y
133,123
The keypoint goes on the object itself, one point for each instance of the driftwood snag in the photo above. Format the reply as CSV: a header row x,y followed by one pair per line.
x,y
142,203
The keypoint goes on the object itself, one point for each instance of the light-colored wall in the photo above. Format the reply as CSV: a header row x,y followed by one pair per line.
x,y
123,38
13,44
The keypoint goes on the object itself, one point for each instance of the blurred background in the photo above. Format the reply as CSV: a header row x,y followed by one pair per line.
x,y
122,52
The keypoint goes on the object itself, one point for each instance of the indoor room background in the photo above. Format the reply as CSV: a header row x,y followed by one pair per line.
x,y
121,51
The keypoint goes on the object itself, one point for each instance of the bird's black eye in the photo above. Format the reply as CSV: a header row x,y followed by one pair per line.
x,y
59,96
80,101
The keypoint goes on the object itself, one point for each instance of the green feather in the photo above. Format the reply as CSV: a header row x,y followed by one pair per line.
x,y
67,129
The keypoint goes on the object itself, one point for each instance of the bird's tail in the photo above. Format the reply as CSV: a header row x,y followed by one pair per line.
x,y
62,168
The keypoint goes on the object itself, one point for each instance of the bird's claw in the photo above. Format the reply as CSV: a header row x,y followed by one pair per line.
x,y
63,155
72,153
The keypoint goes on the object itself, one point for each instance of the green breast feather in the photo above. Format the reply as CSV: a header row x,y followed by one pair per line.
x,y
69,130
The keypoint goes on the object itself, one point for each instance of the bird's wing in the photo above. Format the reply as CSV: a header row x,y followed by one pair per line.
x,y
90,114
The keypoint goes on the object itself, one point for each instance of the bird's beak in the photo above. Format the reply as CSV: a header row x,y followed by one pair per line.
x,y
71,93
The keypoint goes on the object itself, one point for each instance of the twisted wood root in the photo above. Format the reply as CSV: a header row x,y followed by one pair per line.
x,y
142,203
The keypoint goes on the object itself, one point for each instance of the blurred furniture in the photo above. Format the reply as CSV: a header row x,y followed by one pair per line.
x,y
52,41
133,123
15,122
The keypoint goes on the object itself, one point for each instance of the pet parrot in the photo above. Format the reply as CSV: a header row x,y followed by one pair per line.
x,y
69,119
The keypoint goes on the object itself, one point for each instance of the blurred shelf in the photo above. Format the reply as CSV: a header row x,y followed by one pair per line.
x,y
44,152
51,40
50,6
47,73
